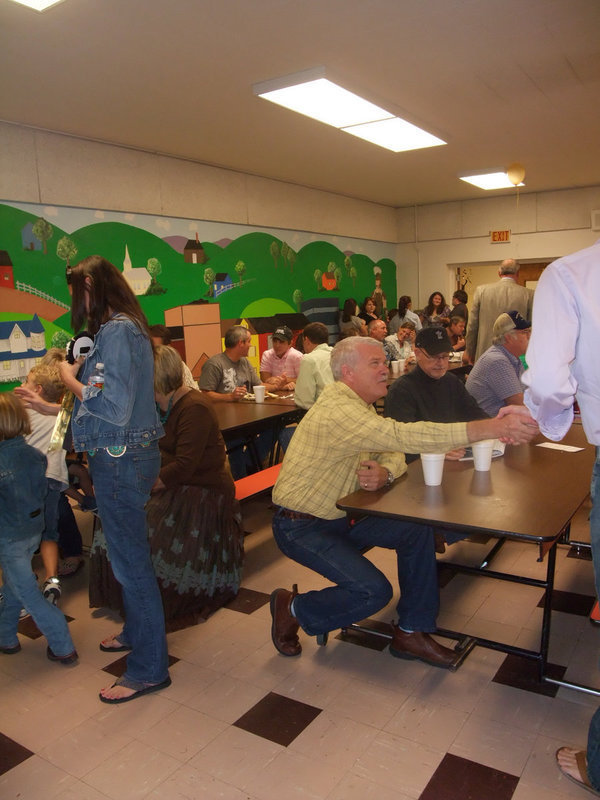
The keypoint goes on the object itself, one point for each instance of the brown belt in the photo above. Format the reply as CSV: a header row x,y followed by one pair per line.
x,y
289,514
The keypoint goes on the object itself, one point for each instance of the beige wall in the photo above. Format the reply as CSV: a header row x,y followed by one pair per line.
x,y
49,168
434,239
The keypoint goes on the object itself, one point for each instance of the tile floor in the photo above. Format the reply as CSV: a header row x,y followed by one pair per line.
x,y
341,722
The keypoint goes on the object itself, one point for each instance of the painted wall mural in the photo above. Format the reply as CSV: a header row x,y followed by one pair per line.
x,y
174,264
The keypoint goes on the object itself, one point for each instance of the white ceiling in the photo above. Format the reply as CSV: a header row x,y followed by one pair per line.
x,y
500,80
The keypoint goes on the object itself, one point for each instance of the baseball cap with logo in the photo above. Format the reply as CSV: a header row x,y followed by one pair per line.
x,y
510,321
283,333
434,340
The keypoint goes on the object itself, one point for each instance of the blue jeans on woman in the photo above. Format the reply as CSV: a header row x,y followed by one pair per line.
x,y
333,549
21,590
122,487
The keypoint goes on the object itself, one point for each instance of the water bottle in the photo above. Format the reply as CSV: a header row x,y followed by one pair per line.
x,y
97,376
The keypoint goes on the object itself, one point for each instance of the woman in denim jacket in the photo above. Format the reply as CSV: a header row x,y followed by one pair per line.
x,y
117,424
22,492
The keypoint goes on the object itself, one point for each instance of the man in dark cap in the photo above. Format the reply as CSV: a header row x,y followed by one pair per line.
x,y
429,393
495,380
279,366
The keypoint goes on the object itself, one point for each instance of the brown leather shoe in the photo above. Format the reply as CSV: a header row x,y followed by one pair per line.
x,y
284,629
423,647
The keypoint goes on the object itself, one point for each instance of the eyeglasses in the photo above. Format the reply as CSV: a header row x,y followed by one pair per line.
x,y
440,357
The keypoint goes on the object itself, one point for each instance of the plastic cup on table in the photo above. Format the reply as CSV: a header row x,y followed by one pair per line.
x,y
433,468
482,454
401,366
395,365
259,393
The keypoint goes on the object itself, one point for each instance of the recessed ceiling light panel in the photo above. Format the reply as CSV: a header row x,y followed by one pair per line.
x,y
395,134
326,102
38,5
490,179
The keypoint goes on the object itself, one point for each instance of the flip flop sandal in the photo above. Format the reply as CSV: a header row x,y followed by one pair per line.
x,y
583,780
121,648
138,688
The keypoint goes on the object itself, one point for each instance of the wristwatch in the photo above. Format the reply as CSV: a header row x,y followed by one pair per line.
x,y
390,478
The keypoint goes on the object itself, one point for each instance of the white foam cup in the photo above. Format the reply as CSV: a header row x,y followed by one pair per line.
x,y
401,365
482,454
259,393
433,468
395,367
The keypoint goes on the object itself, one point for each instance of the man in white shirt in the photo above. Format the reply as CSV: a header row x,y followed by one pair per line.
x,y
315,370
563,366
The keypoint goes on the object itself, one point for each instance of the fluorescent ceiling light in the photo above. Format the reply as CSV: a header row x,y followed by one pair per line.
x,y
38,5
395,134
326,102
497,179
312,94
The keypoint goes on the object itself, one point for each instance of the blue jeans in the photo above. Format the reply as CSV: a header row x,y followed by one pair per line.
x,y
595,520
593,751
332,548
122,486
21,590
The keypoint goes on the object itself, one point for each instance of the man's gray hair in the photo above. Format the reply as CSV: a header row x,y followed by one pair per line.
x,y
345,353
509,267
234,335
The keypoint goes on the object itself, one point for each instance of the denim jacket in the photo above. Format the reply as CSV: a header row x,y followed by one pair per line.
x,y
22,489
123,412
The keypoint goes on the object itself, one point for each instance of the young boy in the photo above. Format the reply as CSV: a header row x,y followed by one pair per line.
x,y
45,381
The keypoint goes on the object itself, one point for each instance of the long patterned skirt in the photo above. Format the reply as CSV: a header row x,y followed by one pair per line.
x,y
196,544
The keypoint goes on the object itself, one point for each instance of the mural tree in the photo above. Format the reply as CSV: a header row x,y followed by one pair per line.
x,y
297,298
60,339
66,249
275,252
337,274
317,275
240,268
209,280
154,268
43,231
352,274
291,259
348,264
285,250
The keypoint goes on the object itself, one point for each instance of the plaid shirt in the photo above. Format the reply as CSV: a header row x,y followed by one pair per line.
x,y
339,432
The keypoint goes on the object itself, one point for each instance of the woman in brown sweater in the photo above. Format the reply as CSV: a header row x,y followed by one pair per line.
x,y
194,523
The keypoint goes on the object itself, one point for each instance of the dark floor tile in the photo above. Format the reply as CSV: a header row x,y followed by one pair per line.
x,y
445,575
582,553
117,668
11,754
368,637
570,602
277,718
248,601
460,779
28,627
522,673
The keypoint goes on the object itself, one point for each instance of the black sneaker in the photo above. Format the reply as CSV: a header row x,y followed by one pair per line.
x,y
51,590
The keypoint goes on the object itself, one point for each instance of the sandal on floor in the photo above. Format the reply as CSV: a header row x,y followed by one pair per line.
x,y
120,648
10,651
138,689
583,781
70,566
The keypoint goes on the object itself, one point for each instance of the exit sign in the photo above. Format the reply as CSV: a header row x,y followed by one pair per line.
x,y
497,237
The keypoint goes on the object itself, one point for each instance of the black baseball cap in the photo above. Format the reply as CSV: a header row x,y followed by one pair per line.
x,y
434,340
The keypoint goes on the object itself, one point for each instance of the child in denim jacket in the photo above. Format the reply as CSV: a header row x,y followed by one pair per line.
x,y
22,494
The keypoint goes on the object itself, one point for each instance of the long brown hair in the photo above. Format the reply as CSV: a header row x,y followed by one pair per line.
x,y
109,293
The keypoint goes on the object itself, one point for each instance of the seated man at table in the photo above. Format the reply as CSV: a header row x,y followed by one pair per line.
x,y
315,366
495,380
280,364
456,333
227,377
377,329
342,445
429,392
